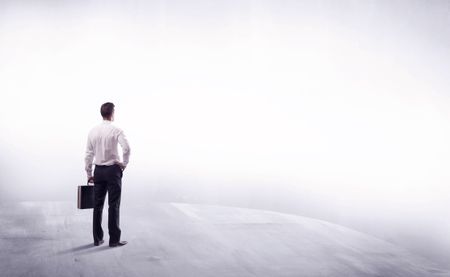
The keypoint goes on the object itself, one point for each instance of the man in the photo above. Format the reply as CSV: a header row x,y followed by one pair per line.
x,y
102,145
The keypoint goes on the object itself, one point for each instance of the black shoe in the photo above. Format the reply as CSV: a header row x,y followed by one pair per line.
x,y
97,243
116,244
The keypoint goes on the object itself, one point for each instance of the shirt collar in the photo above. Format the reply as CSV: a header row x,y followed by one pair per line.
x,y
106,121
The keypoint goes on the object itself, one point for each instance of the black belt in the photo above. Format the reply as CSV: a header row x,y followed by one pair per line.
x,y
104,165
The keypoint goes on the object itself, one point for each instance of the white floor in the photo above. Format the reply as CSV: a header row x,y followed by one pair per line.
x,y
169,239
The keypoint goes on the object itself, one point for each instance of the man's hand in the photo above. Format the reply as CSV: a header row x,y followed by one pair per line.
x,y
90,179
121,165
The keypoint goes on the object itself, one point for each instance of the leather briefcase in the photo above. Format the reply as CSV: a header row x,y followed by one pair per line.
x,y
85,197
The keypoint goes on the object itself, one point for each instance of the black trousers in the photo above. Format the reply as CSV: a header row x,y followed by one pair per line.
x,y
107,179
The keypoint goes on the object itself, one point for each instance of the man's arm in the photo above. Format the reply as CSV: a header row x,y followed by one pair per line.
x,y
89,158
125,149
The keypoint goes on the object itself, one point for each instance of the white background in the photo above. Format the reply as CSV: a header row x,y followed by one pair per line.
x,y
334,110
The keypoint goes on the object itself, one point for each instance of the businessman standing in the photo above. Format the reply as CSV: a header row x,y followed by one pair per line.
x,y
101,149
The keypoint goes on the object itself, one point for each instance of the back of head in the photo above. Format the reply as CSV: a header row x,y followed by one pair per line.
x,y
107,110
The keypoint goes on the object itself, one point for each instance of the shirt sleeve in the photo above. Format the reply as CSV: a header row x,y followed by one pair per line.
x,y
89,157
125,147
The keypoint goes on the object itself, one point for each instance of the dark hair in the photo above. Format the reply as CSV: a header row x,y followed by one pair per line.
x,y
107,110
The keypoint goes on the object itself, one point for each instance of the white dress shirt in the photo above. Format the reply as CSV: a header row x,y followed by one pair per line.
x,y
102,145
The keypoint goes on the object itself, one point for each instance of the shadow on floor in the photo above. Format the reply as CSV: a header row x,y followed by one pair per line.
x,y
83,249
